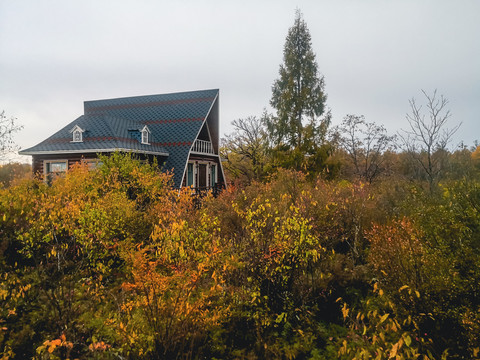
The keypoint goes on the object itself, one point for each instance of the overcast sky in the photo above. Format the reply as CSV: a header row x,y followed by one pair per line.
x,y
375,56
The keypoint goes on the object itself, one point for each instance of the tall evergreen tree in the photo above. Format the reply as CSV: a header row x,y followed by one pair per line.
x,y
298,95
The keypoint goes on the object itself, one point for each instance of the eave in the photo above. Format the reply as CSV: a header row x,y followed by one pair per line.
x,y
89,151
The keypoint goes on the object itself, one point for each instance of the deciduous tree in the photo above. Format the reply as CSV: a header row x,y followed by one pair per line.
x,y
8,127
365,142
427,139
245,148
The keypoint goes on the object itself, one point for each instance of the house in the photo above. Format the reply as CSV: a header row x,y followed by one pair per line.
x,y
181,130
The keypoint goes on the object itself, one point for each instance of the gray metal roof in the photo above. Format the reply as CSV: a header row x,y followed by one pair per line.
x,y
174,121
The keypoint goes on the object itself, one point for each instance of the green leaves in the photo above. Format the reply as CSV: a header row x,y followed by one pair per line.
x,y
121,265
298,95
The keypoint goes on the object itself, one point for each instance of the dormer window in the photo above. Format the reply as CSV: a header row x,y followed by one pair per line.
x,y
77,134
145,135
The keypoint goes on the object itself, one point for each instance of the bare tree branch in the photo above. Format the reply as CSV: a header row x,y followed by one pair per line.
x,y
246,146
365,144
8,127
427,138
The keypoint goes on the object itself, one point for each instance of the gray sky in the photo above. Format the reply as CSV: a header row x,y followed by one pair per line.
x,y
375,56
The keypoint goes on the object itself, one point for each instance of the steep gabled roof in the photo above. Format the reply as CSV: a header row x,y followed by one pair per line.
x,y
173,119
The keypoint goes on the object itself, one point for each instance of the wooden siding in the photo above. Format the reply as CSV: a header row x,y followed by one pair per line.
x,y
38,161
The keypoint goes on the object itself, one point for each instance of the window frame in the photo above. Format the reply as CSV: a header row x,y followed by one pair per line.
x,y
92,164
211,178
50,175
145,135
80,136
77,130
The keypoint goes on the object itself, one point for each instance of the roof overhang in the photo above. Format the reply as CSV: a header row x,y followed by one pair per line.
x,y
89,151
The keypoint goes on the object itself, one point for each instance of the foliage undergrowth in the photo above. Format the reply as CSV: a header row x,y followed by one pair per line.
x,y
115,263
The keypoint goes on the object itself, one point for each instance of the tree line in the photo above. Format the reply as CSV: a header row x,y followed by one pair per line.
x,y
299,135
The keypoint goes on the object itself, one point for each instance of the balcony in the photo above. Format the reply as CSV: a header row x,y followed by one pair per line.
x,y
203,147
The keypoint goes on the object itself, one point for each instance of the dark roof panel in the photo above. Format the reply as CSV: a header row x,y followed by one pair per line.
x,y
102,133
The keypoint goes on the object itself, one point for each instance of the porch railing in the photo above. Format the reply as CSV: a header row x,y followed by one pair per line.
x,y
200,192
203,147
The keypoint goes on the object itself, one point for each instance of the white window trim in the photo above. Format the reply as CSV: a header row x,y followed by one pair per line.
x,y
80,136
208,179
193,174
145,132
77,130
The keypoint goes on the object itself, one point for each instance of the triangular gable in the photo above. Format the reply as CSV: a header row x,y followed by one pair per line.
x,y
77,128
210,121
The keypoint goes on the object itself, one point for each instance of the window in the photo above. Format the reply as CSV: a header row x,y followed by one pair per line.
x,y
201,175
54,168
92,164
77,134
189,174
145,135
213,175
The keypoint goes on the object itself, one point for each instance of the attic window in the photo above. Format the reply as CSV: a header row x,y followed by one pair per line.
x,y
77,134
145,135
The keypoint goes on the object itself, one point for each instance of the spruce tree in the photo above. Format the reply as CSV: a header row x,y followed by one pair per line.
x,y
298,95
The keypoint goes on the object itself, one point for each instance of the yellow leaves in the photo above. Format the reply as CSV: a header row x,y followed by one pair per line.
x,y
345,311
393,351
408,340
382,336
383,318
281,317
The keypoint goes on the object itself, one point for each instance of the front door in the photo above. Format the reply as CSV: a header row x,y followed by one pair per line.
x,y
202,175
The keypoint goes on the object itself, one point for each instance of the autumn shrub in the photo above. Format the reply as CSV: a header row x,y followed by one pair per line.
x,y
115,263
294,243
433,249
64,248
377,329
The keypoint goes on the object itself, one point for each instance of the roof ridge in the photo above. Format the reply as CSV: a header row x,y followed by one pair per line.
x,y
149,95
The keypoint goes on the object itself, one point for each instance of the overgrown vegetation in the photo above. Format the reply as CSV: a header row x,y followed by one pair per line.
x,y
114,263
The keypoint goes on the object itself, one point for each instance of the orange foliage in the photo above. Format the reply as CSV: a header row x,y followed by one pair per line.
x,y
397,252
